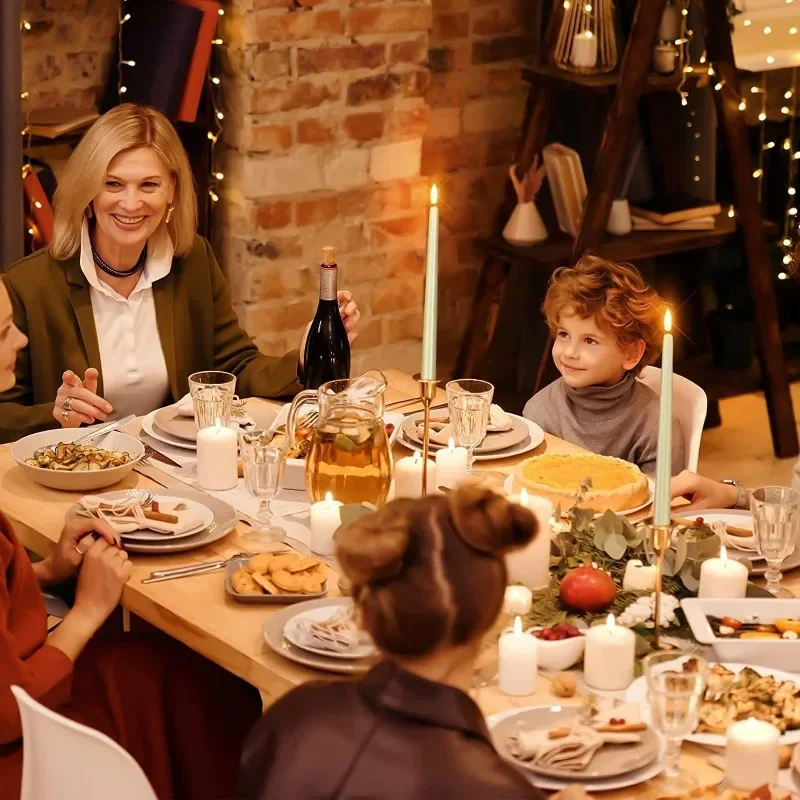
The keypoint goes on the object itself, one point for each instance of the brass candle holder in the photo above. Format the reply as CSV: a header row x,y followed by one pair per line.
x,y
662,538
427,393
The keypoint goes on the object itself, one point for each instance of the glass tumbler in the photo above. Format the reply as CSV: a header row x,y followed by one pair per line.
x,y
776,511
212,396
469,402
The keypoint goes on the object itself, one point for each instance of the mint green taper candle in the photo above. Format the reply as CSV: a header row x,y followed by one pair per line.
x,y
430,312
663,505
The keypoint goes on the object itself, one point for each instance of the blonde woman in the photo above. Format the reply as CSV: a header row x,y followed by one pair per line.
x,y
128,300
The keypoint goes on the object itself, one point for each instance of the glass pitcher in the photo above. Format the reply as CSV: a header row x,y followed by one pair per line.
x,y
349,453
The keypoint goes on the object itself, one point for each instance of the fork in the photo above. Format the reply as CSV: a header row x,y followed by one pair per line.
x,y
311,420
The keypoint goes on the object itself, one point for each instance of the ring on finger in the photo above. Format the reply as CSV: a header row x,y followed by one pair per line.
x,y
65,415
121,554
68,403
79,551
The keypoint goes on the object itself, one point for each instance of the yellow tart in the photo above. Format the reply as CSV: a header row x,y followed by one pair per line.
x,y
616,484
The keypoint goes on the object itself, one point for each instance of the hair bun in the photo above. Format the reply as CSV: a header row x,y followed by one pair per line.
x,y
373,548
488,522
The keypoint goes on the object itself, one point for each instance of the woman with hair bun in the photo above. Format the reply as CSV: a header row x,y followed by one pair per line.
x,y
428,580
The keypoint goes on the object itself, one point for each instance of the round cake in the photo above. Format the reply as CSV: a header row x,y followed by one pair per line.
x,y
616,484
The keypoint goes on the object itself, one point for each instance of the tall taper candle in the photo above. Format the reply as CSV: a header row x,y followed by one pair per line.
x,y
430,312
662,512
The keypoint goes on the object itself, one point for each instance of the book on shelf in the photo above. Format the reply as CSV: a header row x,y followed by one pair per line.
x,y
567,185
50,123
675,208
699,224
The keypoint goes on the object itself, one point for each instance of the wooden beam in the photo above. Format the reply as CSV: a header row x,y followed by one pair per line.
x,y
615,146
732,125
11,213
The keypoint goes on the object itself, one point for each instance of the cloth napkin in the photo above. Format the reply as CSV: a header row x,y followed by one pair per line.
x,y
339,634
185,407
95,506
572,752
442,431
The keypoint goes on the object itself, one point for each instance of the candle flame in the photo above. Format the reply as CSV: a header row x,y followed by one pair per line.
x,y
723,553
523,497
589,35
517,624
328,498
668,321
610,621
219,422
417,456
451,445
434,195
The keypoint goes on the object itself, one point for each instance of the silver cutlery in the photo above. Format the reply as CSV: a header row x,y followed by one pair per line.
x,y
112,426
151,454
193,569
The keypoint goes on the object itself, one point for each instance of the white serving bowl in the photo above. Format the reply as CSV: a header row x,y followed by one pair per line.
x,y
77,481
783,654
559,655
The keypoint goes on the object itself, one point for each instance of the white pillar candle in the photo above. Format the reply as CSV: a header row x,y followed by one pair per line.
x,y
609,656
516,656
722,577
451,466
751,754
639,577
584,49
518,600
531,564
217,451
408,476
325,521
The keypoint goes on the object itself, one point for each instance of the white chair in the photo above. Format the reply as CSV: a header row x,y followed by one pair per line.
x,y
689,405
64,759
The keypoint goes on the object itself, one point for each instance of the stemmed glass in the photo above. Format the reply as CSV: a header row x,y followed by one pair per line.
x,y
776,511
469,402
676,681
263,471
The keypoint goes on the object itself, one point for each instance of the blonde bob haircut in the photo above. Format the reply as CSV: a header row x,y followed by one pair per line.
x,y
125,127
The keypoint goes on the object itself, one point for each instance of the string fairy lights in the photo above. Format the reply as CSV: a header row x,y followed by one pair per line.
x,y
32,229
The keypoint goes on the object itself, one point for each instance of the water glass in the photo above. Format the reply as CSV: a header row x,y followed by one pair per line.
x,y
263,471
469,402
212,396
776,511
676,681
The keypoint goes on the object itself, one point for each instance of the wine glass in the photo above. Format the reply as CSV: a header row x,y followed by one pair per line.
x,y
776,510
469,402
263,470
676,681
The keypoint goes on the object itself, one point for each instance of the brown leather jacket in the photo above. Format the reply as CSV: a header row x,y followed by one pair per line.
x,y
389,735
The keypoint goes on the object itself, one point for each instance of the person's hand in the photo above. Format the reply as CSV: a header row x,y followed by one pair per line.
x,y
104,572
703,492
350,316
77,401
75,541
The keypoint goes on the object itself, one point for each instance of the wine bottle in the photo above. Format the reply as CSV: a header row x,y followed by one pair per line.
x,y
327,354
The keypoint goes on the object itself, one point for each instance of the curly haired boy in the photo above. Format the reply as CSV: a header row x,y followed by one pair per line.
x,y
607,326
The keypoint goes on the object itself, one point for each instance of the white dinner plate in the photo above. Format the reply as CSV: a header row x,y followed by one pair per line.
x,y
320,614
592,785
204,514
637,693
534,439
508,485
151,429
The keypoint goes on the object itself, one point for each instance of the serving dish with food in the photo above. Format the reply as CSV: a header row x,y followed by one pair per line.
x,y
284,577
52,459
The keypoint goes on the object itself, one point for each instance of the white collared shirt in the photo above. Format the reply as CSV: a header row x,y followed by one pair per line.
x,y
135,379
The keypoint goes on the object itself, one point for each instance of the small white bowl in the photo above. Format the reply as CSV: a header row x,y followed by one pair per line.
x,y
77,481
558,655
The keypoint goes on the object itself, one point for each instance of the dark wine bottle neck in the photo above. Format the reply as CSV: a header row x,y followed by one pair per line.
x,y
328,282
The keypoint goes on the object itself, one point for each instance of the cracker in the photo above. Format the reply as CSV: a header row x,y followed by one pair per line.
x,y
284,561
296,583
266,584
303,564
244,583
260,563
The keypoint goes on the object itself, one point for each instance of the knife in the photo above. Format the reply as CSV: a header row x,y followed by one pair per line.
x,y
151,453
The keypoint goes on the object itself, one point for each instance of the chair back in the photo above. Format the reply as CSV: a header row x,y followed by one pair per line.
x,y
689,405
70,761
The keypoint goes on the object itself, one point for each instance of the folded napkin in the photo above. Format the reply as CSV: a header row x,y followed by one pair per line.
x,y
442,431
185,407
572,749
129,516
339,634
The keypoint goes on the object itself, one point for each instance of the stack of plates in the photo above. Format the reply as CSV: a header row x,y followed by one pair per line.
x,y
280,634
741,545
523,437
613,766
217,519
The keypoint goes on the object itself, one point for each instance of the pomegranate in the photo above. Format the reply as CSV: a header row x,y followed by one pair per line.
x,y
587,589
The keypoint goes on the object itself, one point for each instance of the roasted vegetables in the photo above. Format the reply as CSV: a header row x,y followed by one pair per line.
x,y
69,457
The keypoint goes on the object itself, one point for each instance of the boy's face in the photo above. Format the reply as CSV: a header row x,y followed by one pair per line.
x,y
587,355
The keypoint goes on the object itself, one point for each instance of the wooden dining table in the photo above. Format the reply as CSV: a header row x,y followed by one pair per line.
x,y
196,610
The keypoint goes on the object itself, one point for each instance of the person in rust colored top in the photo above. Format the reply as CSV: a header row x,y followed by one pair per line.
x,y
428,579
181,717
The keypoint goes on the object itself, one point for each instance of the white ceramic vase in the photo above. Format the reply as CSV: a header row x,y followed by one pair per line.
x,y
619,220
525,226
